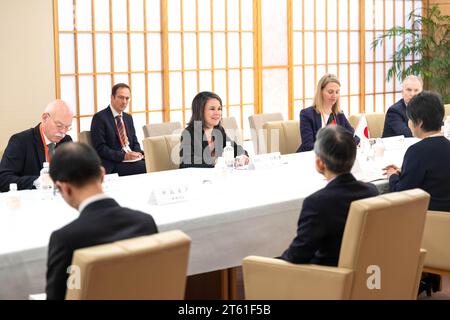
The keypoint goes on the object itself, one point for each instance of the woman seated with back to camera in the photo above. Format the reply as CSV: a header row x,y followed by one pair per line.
x,y
204,138
325,111
426,163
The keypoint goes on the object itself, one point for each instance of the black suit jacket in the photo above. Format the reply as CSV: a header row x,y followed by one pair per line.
x,y
105,137
194,150
101,222
396,121
311,123
426,165
322,221
23,158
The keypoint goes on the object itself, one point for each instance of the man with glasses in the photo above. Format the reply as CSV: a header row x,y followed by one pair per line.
x,y
114,137
29,149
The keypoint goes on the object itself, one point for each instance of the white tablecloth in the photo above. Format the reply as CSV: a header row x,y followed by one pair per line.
x,y
227,216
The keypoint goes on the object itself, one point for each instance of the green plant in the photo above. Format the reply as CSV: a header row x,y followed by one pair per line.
x,y
428,39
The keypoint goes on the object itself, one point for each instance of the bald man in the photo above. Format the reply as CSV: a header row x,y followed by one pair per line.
x,y
396,122
29,149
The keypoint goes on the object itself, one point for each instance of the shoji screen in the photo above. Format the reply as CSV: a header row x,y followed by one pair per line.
x,y
210,47
335,36
381,15
166,50
103,42
325,39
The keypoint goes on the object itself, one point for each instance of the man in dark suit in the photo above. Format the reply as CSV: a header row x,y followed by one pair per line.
x,y
324,213
28,150
114,137
396,122
77,173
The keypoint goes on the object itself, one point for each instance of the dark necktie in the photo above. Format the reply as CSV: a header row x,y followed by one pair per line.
x,y
51,150
121,130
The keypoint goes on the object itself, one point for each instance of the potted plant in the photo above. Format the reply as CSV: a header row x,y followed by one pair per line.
x,y
429,39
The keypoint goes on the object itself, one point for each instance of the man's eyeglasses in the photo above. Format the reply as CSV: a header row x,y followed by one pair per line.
x,y
59,125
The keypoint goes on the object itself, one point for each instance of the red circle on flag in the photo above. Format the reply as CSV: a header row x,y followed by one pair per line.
x,y
366,132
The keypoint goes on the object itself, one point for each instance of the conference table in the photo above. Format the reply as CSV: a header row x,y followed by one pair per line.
x,y
229,214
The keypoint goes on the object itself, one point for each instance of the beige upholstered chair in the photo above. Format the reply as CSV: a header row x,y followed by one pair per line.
x,y
232,130
375,123
447,110
162,152
256,126
282,136
382,239
436,240
354,119
1,154
85,137
161,129
144,268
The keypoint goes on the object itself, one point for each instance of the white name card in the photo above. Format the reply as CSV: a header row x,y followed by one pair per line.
x,y
266,160
169,194
393,143
110,181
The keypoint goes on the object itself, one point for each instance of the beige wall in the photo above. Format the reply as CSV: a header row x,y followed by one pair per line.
x,y
27,68
443,4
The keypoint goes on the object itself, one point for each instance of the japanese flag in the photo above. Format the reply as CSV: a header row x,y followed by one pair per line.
x,y
362,131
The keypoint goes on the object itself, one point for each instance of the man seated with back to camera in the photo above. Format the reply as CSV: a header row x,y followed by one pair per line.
x,y
78,174
324,213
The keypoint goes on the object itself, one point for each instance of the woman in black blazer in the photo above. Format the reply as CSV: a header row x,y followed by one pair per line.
x,y
325,111
426,163
204,139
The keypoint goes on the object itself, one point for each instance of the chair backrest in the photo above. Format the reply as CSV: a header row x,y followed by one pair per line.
x,y
436,239
148,267
383,237
162,152
282,136
375,124
232,130
354,119
161,129
85,137
447,109
256,127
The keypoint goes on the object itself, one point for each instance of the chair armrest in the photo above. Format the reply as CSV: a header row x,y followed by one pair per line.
x,y
268,278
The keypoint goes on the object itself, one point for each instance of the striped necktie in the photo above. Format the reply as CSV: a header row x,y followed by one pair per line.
x,y
121,130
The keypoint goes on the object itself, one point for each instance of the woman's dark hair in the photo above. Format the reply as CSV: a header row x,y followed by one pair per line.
x,y
198,106
426,107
